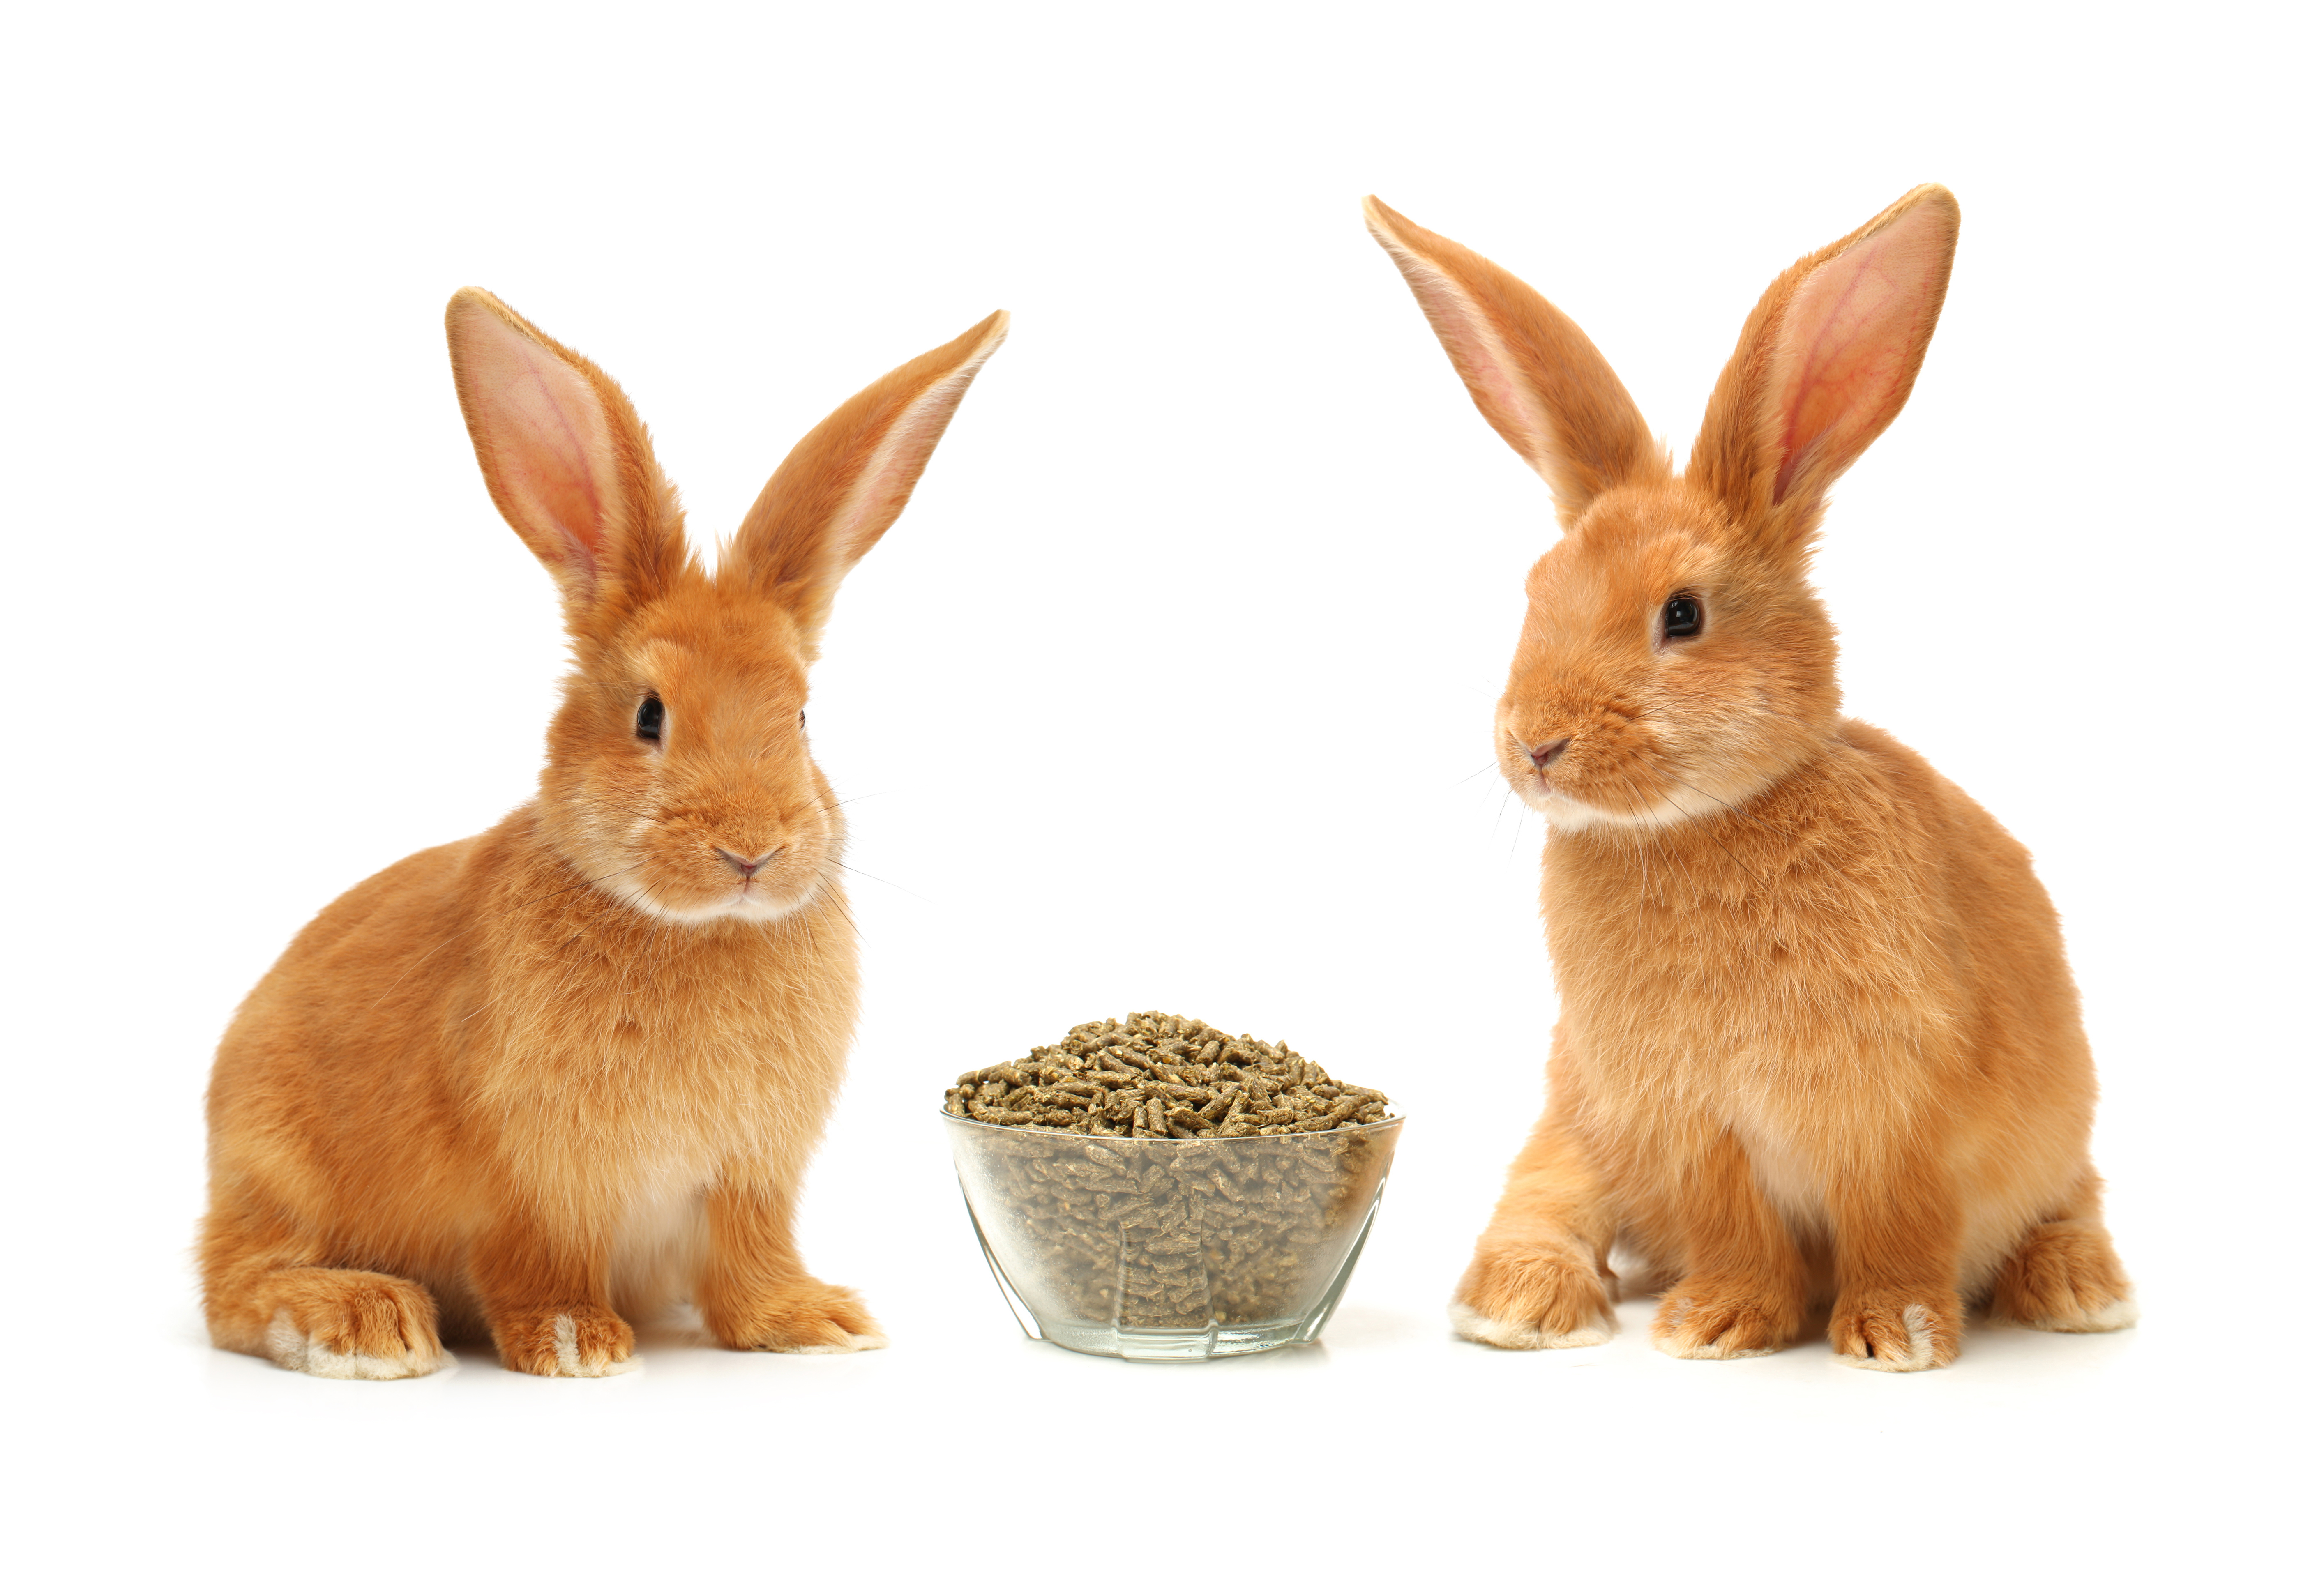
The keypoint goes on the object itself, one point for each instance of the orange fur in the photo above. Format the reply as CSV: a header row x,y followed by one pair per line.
x,y
561,1075
1818,1042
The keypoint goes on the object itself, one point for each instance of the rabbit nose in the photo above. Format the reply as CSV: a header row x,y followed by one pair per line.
x,y
746,867
1548,752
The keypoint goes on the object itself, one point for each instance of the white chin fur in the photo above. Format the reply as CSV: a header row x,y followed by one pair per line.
x,y
738,908
1517,1334
1569,817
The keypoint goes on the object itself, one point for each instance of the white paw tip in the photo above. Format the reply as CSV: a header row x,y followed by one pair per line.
x,y
1871,1362
1661,1337
293,1349
856,1343
1709,1350
1921,1347
569,1354
2115,1316
1517,1334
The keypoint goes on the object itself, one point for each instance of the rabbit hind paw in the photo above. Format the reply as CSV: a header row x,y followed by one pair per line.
x,y
2064,1277
353,1326
808,1317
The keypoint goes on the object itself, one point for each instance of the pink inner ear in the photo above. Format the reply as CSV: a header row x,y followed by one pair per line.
x,y
1482,359
880,490
1852,342
549,444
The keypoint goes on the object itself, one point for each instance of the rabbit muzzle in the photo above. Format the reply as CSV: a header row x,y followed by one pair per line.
x,y
1582,760
727,838
695,866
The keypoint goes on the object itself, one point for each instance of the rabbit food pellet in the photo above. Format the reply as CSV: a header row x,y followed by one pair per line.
x,y
1166,1233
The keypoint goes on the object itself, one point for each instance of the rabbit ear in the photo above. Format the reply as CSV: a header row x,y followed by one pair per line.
x,y
566,461
1825,362
847,480
1539,382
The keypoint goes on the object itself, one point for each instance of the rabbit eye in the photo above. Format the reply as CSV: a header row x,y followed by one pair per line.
x,y
650,719
1681,617
802,718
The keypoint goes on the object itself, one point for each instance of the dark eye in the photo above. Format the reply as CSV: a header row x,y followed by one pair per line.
x,y
802,718
650,719
1681,617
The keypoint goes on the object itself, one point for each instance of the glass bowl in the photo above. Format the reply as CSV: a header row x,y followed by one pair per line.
x,y
1172,1249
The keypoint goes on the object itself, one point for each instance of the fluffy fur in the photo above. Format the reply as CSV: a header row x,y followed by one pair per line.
x,y
1818,1043
552,1079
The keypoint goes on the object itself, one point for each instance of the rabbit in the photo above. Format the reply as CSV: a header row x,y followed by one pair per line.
x,y
551,1080
1818,1045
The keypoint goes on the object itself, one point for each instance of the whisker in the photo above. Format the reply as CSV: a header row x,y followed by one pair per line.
x,y
860,873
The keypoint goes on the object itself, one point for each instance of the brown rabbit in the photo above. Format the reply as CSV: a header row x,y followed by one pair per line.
x,y
553,1077
1818,1042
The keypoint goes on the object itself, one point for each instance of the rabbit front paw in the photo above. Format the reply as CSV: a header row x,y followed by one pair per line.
x,y
804,1317
1895,1332
1534,1297
564,1340
1726,1317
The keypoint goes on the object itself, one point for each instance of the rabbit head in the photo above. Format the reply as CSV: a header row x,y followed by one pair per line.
x,y
678,778
1674,659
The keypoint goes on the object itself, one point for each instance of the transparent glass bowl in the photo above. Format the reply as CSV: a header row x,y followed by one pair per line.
x,y
1172,1249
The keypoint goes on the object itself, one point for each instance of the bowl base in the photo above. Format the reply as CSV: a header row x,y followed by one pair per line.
x,y
1214,1341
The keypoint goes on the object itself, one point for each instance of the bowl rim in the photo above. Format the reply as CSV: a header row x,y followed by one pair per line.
x,y
1395,1117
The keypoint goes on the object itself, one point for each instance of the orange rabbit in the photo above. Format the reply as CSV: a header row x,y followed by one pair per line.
x,y
553,1077
1818,1043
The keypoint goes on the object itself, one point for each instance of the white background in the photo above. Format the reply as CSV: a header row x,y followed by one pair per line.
x,y
1171,688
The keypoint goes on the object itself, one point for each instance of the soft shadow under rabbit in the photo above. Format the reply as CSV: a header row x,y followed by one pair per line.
x,y
553,1077
1817,1038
